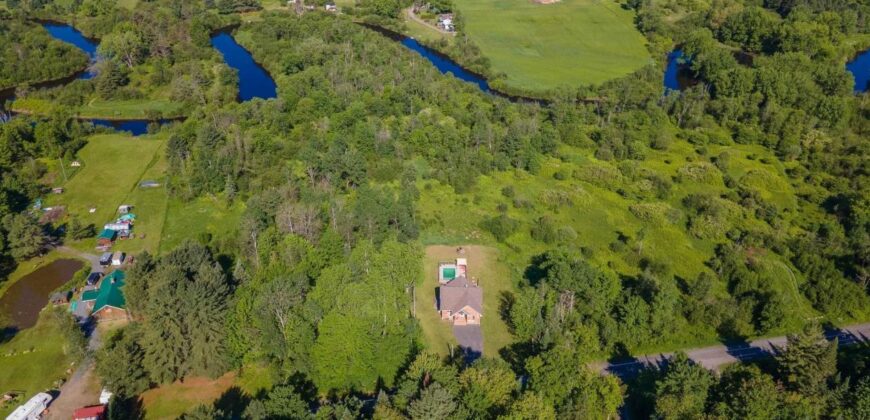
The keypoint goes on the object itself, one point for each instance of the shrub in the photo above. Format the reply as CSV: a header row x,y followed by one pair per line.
x,y
500,226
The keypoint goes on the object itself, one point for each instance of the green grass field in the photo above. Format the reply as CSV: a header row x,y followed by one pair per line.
x,y
188,220
569,43
32,361
112,166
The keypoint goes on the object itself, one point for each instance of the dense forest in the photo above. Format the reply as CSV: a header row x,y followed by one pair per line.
x,y
761,163
29,55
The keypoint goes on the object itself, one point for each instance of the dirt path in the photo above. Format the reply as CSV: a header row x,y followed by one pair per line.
x,y
82,389
410,13
93,259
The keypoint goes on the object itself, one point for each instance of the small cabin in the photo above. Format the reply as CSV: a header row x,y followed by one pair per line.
x,y
107,236
57,190
118,258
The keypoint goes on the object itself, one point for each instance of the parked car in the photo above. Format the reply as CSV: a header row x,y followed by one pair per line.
x,y
94,277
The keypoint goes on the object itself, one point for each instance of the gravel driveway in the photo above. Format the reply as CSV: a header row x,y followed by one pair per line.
x,y
470,339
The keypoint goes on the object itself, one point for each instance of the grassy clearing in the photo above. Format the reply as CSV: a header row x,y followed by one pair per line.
x,y
483,264
117,110
597,215
112,166
170,401
32,361
204,215
572,42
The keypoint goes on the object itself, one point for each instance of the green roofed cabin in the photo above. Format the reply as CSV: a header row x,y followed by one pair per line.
x,y
108,299
107,236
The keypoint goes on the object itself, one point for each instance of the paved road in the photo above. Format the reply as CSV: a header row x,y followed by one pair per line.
x,y
714,357
470,339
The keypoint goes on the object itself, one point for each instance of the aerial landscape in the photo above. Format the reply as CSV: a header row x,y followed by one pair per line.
x,y
444,209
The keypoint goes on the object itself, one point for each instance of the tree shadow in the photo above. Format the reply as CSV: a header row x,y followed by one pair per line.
x,y
533,272
7,333
232,403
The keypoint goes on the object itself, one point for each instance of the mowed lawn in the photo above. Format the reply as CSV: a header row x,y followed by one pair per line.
x,y
569,43
484,265
32,361
112,166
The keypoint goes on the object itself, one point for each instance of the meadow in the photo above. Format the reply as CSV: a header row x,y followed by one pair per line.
x,y
32,361
569,191
568,43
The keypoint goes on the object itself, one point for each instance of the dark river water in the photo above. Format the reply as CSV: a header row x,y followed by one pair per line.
x,y
21,303
444,64
254,81
860,69
72,36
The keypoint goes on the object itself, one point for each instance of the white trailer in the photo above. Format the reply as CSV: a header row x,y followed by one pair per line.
x,y
32,409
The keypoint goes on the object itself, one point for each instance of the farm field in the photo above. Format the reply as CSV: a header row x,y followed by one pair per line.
x,y
483,264
112,166
568,43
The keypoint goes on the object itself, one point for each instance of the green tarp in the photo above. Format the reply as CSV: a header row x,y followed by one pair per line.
x,y
448,273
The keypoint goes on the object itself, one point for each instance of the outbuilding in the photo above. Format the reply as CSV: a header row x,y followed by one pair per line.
x,y
107,236
118,258
94,412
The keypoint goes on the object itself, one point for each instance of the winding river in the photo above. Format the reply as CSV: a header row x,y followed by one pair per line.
x,y
254,81
72,36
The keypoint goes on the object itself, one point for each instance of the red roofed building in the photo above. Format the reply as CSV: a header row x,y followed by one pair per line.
x,y
94,412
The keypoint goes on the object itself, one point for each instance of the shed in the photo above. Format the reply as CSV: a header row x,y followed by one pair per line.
x,y
94,412
57,190
118,258
116,226
124,208
107,236
59,298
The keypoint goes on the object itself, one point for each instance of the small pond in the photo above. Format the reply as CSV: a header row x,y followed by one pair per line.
x,y
72,36
22,301
677,73
254,81
860,69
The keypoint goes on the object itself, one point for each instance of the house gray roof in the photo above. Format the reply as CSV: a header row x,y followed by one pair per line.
x,y
459,293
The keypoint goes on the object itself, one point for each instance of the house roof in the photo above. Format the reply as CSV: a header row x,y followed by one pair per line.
x,y
107,234
459,293
90,295
110,292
